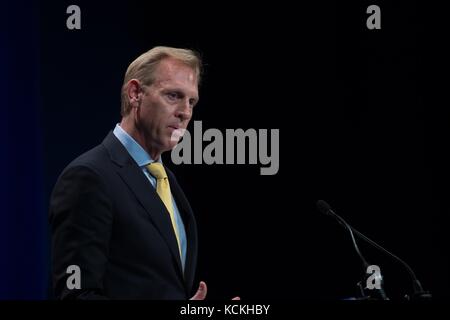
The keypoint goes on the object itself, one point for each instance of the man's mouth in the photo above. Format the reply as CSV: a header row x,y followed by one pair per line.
x,y
177,133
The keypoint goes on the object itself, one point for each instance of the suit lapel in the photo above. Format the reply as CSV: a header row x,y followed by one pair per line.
x,y
132,175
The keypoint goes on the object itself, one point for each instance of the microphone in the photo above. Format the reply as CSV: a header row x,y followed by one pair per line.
x,y
418,292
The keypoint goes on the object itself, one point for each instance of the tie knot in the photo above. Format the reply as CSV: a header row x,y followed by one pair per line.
x,y
157,170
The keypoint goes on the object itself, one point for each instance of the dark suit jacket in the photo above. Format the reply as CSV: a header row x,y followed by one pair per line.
x,y
107,218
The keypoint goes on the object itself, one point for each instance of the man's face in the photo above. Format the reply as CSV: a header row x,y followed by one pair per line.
x,y
166,106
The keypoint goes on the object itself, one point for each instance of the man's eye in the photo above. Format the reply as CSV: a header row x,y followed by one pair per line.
x,y
172,95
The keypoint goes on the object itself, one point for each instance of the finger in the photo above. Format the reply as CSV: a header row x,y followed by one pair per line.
x,y
201,292
236,298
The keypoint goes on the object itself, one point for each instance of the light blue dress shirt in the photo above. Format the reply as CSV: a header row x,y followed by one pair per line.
x,y
142,159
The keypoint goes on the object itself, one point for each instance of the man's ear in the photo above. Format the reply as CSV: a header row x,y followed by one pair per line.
x,y
133,90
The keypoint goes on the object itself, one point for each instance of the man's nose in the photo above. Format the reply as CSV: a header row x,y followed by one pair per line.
x,y
184,111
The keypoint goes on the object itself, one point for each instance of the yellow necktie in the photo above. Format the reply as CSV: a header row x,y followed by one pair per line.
x,y
163,189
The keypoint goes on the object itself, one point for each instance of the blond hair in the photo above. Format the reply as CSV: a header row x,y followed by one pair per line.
x,y
144,67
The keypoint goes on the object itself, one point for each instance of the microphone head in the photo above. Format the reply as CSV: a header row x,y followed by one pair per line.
x,y
323,207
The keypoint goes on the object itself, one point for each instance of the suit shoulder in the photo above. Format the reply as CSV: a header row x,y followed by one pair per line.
x,y
94,159
93,162
85,171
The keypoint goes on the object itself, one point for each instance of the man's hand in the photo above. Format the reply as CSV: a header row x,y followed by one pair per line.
x,y
201,292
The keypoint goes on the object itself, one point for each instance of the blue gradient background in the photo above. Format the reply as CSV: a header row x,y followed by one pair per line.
x,y
24,262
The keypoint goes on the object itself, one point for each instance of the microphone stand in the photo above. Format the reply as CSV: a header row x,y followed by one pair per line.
x,y
375,294
418,292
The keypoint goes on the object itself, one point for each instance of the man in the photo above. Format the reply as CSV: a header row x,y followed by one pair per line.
x,y
116,212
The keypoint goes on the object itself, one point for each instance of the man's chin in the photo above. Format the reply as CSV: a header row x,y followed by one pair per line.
x,y
170,144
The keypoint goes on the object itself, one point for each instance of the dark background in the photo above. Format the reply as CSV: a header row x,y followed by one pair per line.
x,y
355,130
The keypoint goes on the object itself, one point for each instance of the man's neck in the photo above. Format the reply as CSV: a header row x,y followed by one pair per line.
x,y
138,136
